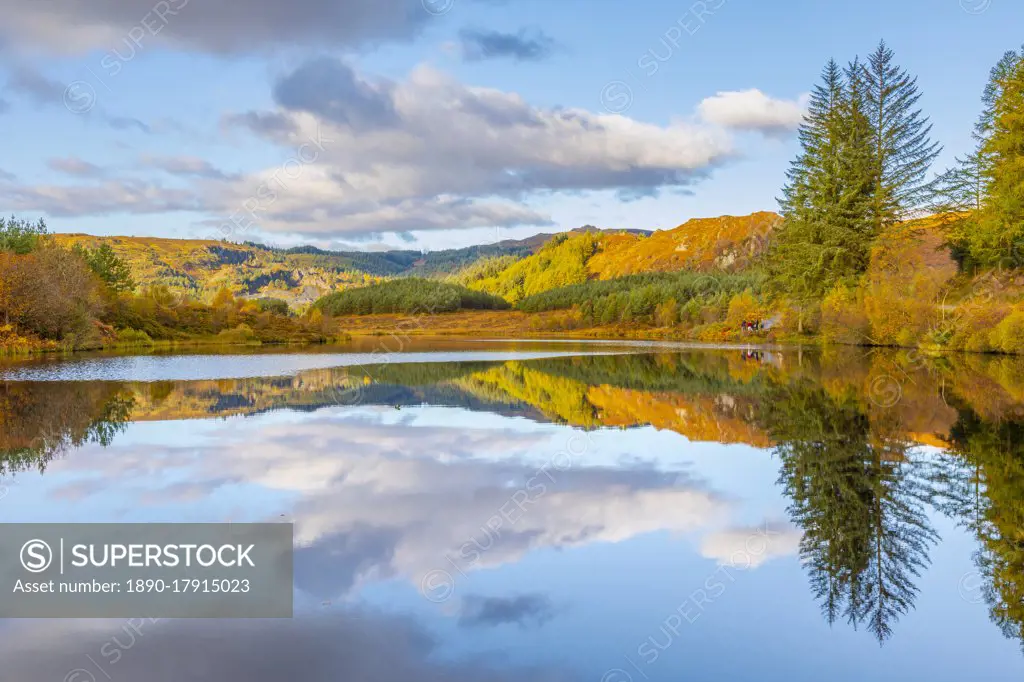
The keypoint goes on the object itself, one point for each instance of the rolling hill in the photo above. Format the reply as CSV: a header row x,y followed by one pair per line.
x,y
511,269
727,244
300,275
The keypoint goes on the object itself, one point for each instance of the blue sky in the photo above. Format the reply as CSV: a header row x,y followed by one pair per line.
x,y
440,123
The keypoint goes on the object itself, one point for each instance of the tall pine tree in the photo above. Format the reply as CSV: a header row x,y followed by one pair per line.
x,y
964,189
1001,227
903,148
827,232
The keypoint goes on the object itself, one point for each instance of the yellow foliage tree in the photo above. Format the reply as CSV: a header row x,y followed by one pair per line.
x,y
744,307
667,314
843,319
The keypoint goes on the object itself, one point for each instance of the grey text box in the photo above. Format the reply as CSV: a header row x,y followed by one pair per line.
x,y
146,570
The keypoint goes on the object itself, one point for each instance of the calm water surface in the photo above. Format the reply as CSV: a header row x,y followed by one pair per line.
x,y
549,512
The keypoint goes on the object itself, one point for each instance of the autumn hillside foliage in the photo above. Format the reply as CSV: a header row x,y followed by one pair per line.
x,y
710,245
726,243
200,268
53,297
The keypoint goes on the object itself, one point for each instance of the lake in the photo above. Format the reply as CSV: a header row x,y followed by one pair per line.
x,y
617,512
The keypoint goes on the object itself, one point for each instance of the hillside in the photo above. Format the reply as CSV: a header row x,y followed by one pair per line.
x,y
199,268
727,243
511,269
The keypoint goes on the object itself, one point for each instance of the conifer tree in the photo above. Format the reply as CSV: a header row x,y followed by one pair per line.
x,y
1002,220
904,150
826,203
963,189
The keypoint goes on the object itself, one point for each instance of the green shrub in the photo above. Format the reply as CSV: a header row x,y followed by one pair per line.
x,y
275,306
133,337
240,335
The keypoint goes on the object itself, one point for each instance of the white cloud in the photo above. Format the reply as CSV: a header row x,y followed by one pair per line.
x,y
362,155
753,110
432,153
375,499
749,547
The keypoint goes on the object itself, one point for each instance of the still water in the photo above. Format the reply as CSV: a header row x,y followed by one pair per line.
x,y
560,512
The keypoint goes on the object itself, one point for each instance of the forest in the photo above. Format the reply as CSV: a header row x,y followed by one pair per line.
x,y
411,295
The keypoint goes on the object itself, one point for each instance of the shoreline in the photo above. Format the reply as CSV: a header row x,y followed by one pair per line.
x,y
639,338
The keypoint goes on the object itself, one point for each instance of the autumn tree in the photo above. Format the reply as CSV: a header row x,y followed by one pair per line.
x,y
1001,222
50,292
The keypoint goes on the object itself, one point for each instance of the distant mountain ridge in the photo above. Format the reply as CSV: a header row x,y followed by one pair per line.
x,y
300,275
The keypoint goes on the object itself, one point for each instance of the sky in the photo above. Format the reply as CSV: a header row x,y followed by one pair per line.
x,y
432,124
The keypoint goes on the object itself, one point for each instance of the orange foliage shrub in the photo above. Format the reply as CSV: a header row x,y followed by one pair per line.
x,y
909,267
975,323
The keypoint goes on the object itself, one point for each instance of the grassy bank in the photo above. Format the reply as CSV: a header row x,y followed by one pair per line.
x,y
568,324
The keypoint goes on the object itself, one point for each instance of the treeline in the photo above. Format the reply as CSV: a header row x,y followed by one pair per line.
x,y
409,296
662,299
400,263
53,297
863,175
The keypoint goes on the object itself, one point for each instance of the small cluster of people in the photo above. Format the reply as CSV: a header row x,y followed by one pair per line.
x,y
754,326
752,355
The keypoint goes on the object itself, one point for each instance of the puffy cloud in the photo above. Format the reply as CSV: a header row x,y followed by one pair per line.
x,y
107,198
524,45
364,156
749,547
753,110
332,91
432,153
224,27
